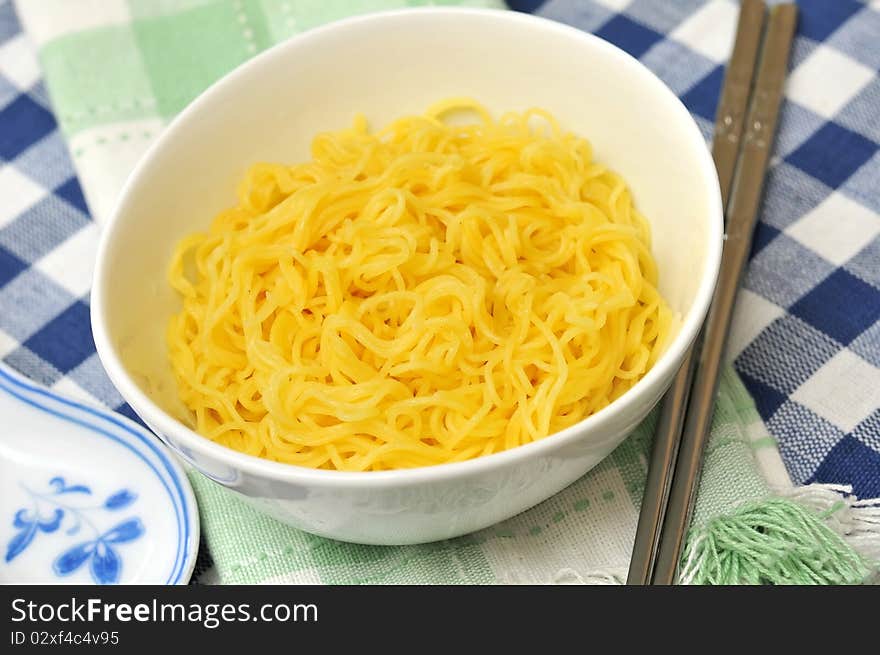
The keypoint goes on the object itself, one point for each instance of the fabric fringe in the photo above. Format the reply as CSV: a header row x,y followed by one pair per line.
x,y
815,534
858,521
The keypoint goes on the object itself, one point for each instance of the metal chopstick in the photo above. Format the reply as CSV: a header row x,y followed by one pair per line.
x,y
742,213
737,89
725,149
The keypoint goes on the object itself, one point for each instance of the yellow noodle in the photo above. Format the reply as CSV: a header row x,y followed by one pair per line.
x,y
428,293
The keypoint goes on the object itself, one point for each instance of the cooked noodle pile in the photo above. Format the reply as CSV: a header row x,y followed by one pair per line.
x,y
428,293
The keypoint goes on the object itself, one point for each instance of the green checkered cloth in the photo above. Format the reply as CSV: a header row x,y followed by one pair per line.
x,y
119,70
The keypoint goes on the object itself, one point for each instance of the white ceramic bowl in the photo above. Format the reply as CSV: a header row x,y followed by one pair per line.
x,y
387,65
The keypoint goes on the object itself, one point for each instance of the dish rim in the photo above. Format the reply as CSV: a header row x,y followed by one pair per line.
x,y
107,424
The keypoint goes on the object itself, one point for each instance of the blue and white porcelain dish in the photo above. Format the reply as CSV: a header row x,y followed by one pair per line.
x,y
87,496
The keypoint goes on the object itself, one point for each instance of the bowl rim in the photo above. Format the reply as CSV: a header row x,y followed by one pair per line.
x,y
263,468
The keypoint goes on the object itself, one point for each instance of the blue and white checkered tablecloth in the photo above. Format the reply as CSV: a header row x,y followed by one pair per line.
x,y
806,337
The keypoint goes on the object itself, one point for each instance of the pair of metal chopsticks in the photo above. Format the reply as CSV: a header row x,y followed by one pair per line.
x,y
744,128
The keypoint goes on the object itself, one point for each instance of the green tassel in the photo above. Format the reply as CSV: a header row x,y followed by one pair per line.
x,y
774,541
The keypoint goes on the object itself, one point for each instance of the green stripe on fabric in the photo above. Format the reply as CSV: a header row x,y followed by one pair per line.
x,y
253,18
153,8
630,458
764,442
97,77
739,396
266,549
730,475
185,52
459,561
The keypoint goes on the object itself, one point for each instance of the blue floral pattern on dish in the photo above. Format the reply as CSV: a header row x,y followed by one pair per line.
x,y
63,507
